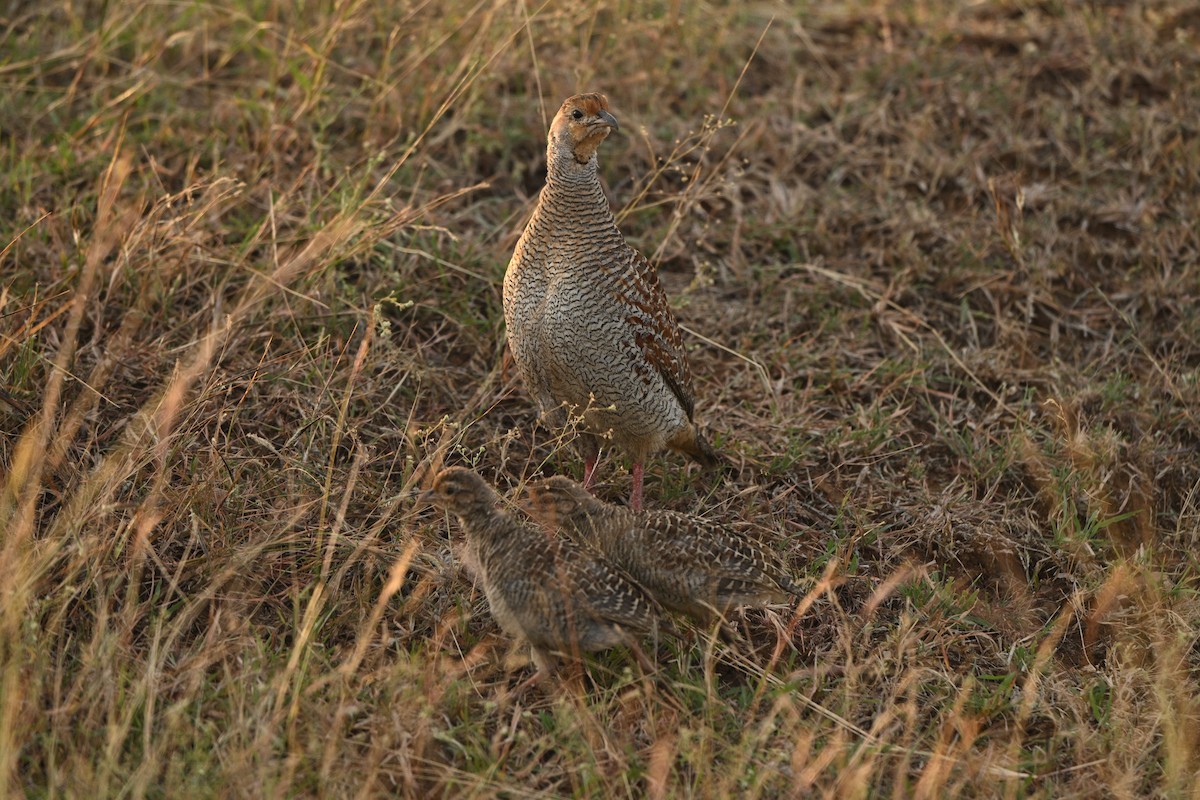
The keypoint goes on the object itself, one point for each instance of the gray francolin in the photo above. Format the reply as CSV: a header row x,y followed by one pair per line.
x,y
558,596
687,564
588,323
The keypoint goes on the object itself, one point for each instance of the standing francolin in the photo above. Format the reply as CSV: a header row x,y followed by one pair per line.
x,y
588,322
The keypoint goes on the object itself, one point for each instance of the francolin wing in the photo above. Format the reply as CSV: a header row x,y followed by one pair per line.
x,y
687,564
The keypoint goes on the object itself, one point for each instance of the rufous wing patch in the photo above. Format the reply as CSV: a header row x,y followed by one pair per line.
x,y
657,332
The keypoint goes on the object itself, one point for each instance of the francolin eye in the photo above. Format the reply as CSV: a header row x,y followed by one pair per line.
x,y
577,114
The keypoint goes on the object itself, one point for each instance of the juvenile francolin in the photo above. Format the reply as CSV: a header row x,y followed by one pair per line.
x,y
688,565
588,322
559,597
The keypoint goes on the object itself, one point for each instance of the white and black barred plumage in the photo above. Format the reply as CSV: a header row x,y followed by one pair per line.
x,y
687,564
588,323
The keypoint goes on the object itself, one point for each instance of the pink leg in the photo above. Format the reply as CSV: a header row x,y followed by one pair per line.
x,y
635,497
589,470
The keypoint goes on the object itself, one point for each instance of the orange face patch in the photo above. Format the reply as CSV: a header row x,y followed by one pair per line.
x,y
591,104
583,134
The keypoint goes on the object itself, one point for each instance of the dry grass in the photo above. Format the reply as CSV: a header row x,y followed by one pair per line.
x,y
944,268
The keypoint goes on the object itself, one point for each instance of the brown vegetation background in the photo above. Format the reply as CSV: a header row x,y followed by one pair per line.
x,y
941,267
